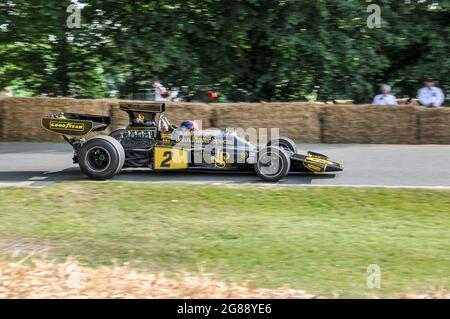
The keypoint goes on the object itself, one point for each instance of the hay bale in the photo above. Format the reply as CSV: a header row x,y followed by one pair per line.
x,y
299,121
21,118
434,126
369,124
119,118
345,102
1,117
200,112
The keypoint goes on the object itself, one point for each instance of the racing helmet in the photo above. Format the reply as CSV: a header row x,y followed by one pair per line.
x,y
189,125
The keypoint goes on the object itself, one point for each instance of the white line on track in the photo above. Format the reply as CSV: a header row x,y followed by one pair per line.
x,y
31,184
38,178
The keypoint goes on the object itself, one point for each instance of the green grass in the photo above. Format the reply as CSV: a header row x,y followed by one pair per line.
x,y
317,239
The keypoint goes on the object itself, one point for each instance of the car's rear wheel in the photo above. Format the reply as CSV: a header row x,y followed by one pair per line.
x,y
101,157
273,164
284,143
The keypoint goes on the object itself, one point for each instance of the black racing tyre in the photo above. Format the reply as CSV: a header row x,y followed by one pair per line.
x,y
272,164
101,157
117,133
285,143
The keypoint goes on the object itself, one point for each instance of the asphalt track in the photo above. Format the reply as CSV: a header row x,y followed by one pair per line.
x,y
40,164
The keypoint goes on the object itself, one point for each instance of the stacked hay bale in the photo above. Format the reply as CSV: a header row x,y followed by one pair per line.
x,y
119,117
368,124
434,126
200,112
299,121
21,116
2,102
20,120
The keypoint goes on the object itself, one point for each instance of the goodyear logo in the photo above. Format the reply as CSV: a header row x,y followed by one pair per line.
x,y
318,160
67,126
314,167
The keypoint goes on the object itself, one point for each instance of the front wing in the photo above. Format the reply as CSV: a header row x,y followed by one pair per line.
x,y
314,162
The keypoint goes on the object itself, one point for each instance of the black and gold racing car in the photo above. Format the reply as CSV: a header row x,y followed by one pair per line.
x,y
150,141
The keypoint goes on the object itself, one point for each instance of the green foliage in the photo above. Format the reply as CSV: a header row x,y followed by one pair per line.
x,y
254,49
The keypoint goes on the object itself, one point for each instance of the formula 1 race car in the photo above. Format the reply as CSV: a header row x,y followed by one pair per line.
x,y
150,141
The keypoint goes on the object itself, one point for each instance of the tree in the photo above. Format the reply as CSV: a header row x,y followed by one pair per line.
x,y
271,50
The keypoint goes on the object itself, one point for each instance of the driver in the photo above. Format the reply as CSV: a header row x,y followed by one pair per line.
x,y
185,129
189,126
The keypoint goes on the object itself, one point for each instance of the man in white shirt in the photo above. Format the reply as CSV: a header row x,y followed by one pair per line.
x,y
430,95
159,91
385,98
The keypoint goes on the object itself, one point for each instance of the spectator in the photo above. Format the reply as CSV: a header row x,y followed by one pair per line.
x,y
160,92
6,92
430,95
213,96
385,98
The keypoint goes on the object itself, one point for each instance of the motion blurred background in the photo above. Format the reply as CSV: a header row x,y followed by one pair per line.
x,y
136,237
247,50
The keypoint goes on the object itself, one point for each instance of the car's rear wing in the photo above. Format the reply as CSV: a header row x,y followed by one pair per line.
x,y
142,107
74,124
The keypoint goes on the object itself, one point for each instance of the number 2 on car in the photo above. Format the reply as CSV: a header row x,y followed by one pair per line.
x,y
169,158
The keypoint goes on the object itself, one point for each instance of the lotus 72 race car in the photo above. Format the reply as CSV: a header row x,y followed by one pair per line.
x,y
150,141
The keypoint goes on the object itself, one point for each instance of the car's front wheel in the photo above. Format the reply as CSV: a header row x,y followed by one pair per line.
x,y
273,164
285,143
101,157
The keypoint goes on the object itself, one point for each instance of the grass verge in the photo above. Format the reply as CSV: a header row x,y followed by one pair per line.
x,y
320,240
